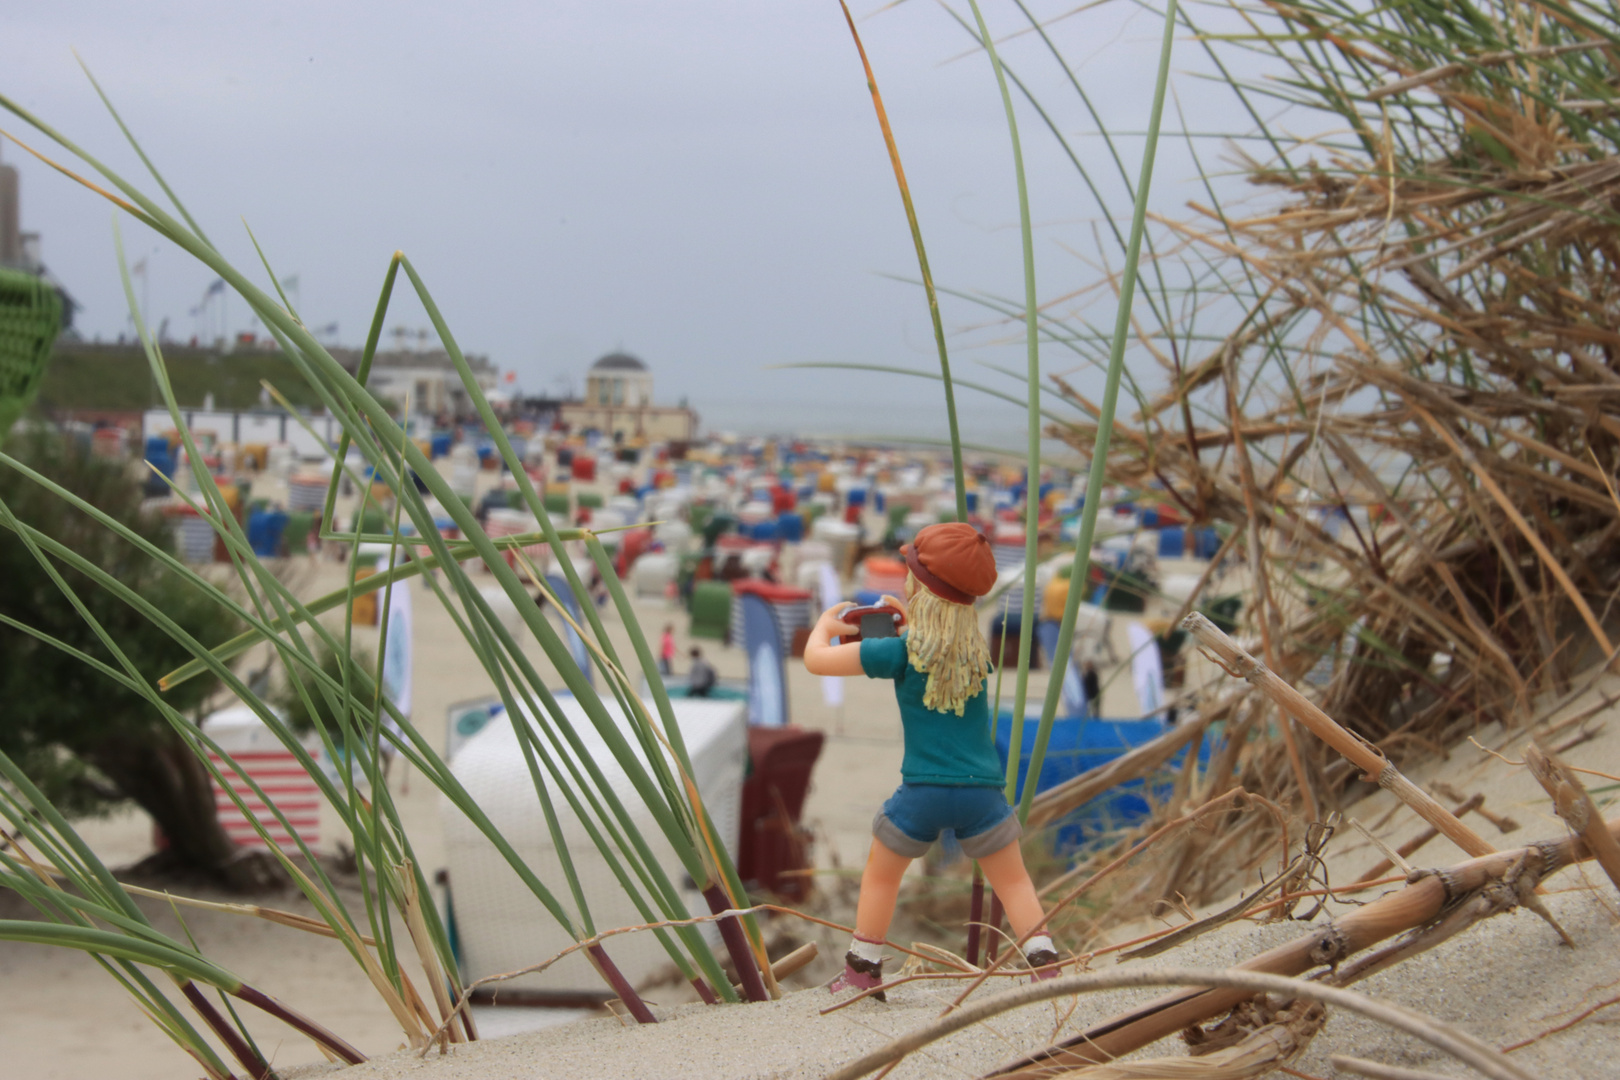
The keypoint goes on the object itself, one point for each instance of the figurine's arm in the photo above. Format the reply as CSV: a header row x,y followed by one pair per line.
x,y
821,656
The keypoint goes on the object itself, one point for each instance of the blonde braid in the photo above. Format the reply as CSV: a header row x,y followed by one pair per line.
x,y
944,643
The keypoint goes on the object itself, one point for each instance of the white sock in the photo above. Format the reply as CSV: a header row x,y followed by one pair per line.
x,y
1039,943
870,951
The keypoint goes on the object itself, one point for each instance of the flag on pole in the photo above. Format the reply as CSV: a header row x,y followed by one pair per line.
x,y
138,268
216,288
290,282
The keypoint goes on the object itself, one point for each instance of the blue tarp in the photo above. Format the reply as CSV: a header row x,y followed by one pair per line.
x,y
1082,743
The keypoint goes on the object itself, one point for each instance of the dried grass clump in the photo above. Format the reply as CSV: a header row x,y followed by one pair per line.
x,y
1411,410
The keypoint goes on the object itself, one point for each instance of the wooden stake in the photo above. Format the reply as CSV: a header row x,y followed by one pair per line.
x,y
790,964
1357,750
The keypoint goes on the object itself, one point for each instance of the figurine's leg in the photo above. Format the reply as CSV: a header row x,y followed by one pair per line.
x,y
880,888
1005,870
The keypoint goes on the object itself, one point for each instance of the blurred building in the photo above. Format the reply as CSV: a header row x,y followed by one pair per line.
x,y
427,377
20,250
618,402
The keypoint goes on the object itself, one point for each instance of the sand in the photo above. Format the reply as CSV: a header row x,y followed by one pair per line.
x,y
61,1016
1507,980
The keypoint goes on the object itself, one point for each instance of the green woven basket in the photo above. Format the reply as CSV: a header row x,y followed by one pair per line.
x,y
30,316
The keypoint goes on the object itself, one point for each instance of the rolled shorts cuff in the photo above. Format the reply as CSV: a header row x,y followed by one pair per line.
x,y
988,842
895,839
992,839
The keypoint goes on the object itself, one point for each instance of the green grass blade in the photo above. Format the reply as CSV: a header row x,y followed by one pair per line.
x,y
922,265
1032,470
108,943
367,355
140,151
1105,426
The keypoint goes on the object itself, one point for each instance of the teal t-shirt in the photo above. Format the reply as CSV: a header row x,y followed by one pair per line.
x,y
941,747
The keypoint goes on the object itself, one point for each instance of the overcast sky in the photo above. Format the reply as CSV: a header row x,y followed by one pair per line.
x,y
702,183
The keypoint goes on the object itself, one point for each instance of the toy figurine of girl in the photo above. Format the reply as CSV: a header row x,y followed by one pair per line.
x,y
951,775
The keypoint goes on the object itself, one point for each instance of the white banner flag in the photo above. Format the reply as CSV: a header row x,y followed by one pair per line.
x,y
832,686
396,669
1146,671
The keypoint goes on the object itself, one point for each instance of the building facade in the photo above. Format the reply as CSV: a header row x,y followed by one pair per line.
x,y
427,378
618,402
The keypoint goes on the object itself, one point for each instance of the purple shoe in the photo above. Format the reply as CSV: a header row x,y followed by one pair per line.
x,y
1043,962
859,974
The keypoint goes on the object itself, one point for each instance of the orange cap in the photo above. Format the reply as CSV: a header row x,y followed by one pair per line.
x,y
953,561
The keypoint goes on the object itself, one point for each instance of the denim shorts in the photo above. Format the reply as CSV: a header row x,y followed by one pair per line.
x,y
916,814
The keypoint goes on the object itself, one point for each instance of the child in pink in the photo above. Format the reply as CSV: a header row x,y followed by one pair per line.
x,y
666,650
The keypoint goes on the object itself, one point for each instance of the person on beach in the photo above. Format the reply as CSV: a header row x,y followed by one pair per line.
x,y
1091,688
666,651
700,683
951,776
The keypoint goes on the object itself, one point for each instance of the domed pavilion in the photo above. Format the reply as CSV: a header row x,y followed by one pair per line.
x,y
618,402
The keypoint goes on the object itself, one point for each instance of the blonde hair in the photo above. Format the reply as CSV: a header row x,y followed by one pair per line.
x,y
944,643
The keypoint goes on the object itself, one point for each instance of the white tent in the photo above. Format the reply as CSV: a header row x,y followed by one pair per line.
x,y
501,924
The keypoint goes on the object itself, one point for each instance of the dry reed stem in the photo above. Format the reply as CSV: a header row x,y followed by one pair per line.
x,y
1412,846
1575,807
404,1015
1081,960
1444,1037
1417,905
426,955
1261,1052
1239,663
1565,1026
1137,762
745,948
1261,582
1401,277
778,968
1519,764
1363,1067
275,915
792,963
1233,798
1531,535
1244,907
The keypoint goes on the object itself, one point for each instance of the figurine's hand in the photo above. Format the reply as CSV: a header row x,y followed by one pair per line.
x,y
821,656
831,620
898,605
